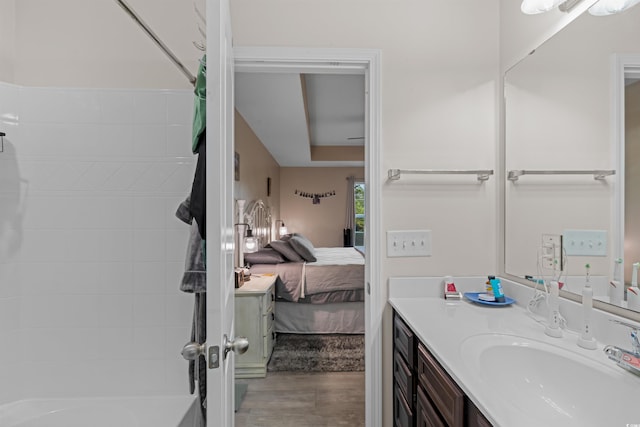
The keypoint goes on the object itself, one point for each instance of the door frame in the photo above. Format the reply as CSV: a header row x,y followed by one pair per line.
x,y
348,61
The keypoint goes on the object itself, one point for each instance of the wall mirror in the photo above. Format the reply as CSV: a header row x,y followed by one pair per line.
x,y
563,118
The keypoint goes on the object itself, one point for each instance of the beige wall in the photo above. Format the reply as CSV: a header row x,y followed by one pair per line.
x,y
323,223
7,40
256,165
632,178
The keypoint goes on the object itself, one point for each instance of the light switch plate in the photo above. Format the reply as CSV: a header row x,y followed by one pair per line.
x,y
585,242
409,243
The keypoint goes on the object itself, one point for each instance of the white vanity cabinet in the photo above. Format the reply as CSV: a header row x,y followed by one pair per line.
x,y
254,319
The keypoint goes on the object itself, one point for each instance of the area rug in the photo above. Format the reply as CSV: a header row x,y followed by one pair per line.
x,y
318,353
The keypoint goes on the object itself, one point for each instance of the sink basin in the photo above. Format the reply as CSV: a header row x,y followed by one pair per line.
x,y
543,384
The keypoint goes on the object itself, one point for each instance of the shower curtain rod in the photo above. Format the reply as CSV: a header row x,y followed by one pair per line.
x,y
157,40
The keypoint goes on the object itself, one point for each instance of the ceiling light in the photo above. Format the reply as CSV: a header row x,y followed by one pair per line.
x,y
532,7
610,7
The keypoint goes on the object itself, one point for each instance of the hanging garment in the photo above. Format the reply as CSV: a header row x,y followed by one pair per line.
x,y
194,280
198,199
200,105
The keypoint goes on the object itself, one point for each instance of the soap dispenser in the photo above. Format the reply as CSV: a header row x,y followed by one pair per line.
x,y
616,286
586,339
633,293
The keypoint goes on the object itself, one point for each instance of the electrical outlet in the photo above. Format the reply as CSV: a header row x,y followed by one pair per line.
x,y
552,252
409,243
585,242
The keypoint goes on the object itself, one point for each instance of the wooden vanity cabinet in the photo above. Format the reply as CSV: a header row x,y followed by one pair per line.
x,y
424,393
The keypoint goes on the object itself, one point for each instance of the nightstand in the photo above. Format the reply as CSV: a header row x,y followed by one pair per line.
x,y
254,319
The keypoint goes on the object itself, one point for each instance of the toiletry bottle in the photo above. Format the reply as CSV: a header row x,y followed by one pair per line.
x,y
488,288
633,293
497,290
616,286
586,339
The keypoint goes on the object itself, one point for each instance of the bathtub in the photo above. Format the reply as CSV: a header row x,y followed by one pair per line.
x,y
159,411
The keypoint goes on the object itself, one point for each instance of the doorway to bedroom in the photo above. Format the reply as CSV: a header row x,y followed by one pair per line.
x,y
301,137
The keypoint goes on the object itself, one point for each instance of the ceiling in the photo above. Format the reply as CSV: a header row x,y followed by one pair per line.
x,y
307,120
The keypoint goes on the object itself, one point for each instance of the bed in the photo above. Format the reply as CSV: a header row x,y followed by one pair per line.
x,y
321,297
318,290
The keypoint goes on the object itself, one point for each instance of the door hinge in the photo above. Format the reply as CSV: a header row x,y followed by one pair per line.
x,y
368,288
214,357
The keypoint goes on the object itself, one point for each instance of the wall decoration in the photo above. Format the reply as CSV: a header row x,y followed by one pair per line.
x,y
268,186
315,197
236,168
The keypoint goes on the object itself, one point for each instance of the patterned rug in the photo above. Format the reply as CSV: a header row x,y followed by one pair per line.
x,y
318,353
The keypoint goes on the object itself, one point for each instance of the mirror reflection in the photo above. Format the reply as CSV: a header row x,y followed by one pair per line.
x,y
560,119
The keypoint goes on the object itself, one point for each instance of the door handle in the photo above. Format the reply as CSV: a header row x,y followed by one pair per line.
x,y
238,345
192,350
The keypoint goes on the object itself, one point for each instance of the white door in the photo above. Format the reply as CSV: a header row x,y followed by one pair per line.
x,y
220,236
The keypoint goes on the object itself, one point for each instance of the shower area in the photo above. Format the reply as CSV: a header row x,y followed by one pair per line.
x,y
95,159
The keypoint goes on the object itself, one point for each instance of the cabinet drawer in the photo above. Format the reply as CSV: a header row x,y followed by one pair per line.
x,y
269,300
267,322
426,415
268,342
404,376
402,413
403,340
445,394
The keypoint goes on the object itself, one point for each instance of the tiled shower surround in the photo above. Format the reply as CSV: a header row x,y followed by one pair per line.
x,y
91,253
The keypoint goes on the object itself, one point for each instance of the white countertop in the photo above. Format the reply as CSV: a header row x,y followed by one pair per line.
x,y
443,326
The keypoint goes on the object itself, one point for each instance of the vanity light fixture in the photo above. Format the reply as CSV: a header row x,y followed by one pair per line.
x,y
611,7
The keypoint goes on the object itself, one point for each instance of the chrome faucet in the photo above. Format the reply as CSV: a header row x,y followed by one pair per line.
x,y
629,360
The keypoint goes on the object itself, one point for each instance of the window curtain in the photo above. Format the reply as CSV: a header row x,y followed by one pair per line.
x,y
350,213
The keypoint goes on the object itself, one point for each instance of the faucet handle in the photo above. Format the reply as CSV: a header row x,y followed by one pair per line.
x,y
635,334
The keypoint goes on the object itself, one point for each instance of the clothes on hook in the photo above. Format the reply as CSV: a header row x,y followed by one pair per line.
x,y
200,104
198,202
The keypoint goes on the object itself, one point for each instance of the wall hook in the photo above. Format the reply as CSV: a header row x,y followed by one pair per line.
x,y
2,135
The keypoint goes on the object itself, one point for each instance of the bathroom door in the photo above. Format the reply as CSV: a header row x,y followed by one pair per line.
x,y
220,236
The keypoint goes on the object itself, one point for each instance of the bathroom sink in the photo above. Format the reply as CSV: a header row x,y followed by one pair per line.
x,y
548,385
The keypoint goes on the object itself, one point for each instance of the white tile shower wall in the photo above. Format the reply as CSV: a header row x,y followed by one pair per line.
x,y
100,251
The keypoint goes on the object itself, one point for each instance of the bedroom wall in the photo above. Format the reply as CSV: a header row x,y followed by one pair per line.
x,y
256,165
323,223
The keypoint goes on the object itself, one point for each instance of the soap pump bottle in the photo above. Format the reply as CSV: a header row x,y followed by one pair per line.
x,y
616,286
586,339
633,293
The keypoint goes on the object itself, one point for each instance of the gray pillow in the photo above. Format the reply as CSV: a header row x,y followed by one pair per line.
x,y
286,250
303,247
264,256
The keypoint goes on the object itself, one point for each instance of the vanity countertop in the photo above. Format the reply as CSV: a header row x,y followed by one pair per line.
x,y
446,327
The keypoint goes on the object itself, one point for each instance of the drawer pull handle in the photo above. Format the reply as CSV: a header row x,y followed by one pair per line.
x,y
273,296
273,316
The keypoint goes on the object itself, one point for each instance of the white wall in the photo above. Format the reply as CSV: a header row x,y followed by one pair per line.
x,y
7,39
92,254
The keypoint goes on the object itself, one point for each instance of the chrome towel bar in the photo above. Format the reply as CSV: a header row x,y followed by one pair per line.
x,y
597,174
482,174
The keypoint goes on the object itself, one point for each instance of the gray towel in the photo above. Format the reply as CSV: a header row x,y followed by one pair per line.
x,y
194,278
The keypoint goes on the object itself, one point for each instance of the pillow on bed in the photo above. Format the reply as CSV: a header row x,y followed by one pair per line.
x,y
286,250
264,256
303,247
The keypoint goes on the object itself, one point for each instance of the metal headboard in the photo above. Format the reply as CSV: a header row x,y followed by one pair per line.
x,y
258,216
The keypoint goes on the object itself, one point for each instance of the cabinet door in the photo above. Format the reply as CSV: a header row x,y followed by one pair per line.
x,y
426,415
403,340
447,397
475,418
402,413
403,376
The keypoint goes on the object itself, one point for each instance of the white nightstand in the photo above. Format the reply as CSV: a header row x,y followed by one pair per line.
x,y
254,318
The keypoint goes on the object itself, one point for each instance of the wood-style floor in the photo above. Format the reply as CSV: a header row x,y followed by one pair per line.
x,y
294,399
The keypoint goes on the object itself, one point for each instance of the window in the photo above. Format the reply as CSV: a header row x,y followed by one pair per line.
x,y
358,201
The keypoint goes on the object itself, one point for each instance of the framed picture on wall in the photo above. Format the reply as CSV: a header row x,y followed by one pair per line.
x,y
236,166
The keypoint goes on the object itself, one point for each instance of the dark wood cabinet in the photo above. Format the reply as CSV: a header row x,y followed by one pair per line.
x,y
424,393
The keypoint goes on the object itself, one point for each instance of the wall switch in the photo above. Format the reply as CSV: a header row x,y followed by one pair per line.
x,y
585,242
552,258
409,243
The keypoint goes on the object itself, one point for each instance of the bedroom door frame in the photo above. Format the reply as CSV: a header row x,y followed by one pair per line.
x,y
348,61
